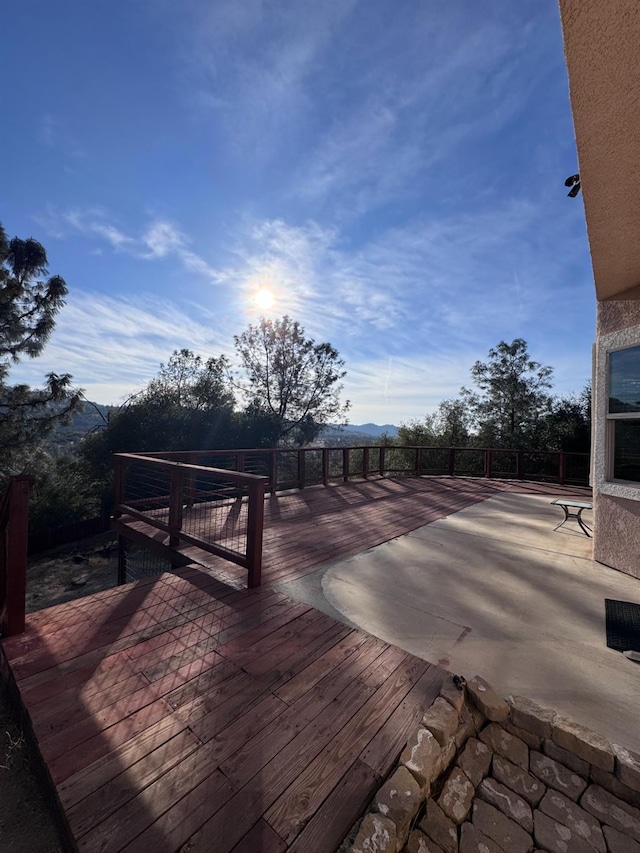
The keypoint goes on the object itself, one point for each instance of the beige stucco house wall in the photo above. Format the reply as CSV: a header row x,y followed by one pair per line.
x,y
602,39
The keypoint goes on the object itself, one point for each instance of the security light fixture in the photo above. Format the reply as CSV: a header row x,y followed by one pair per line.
x,y
573,181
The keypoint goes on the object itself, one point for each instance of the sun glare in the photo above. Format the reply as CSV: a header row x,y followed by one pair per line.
x,y
264,299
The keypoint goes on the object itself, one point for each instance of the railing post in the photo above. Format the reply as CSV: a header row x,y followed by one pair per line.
x,y
345,464
190,482
175,504
273,470
119,485
325,466
365,462
562,467
301,469
418,461
519,464
255,526
240,460
383,453
452,461
487,464
15,547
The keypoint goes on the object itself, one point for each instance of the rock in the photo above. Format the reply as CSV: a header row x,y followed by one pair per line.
x,y
557,776
377,835
531,717
486,699
506,745
440,829
614,786
619,843
531,740
475,760
508,802
466,728
79,580
569,759
506,833
627,767
609,809
584,743
581,823
448,754
78,559
518,780
419,843
457,795
556,837
441,719
399,799
479,719
474,841
453,693
422,756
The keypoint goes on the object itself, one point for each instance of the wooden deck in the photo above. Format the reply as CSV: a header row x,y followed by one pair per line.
x,y
183,713
304,530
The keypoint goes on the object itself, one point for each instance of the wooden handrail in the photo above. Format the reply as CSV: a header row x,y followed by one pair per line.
x,y
182,491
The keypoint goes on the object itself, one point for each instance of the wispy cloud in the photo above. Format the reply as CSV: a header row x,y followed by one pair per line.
x,y
54,132
159,240
113,346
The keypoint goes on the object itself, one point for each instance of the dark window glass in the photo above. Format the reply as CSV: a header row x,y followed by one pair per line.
x,y
624,380
626,453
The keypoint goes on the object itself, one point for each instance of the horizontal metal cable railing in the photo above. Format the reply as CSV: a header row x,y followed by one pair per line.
x,y
289,468
218,510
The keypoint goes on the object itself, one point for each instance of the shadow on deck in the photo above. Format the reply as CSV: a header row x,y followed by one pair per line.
x,y
183,713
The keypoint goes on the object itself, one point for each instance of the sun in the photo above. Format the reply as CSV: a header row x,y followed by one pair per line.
x,y
264,299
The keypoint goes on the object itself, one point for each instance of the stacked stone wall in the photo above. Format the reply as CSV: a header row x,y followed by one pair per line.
x,y
491,775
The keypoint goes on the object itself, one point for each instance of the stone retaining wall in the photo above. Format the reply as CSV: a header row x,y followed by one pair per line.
x,y
503,776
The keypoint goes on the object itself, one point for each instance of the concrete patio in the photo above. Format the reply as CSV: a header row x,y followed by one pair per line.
x,y
492,589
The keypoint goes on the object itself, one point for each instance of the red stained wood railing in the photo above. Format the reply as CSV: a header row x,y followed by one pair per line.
x,y
14,528
218,510
296,468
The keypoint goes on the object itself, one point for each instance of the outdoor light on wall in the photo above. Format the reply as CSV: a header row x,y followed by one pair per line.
x,y
573,181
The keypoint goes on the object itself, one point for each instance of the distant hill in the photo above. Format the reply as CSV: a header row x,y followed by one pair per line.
x,y
373,429
354,434
88,417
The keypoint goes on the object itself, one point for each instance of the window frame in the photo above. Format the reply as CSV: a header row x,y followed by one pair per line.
x,y
612,417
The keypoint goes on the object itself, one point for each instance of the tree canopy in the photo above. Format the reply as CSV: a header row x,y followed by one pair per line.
x,y
188,405
510,407
511,395
30,299
291,377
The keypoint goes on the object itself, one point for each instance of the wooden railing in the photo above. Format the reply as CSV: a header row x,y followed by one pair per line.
x,y
14,528
218,510
287,468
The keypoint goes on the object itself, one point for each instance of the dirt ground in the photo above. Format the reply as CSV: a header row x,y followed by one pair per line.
x,y
26,819
72,571
27,824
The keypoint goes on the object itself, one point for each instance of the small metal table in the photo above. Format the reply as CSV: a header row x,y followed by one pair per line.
x,y
569,504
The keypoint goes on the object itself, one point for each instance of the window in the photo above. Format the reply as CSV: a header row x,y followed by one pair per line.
x,y
623,415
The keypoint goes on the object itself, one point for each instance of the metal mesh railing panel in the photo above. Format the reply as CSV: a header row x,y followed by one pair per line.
x,y
147,489
216,511
469,462
139,563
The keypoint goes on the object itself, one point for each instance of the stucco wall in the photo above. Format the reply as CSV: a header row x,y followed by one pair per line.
x,y
617,533
616,505
616,314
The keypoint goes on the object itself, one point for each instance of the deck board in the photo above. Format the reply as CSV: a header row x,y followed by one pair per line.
x,y
185,712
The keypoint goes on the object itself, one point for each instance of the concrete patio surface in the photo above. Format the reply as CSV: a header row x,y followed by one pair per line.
x,y
493,590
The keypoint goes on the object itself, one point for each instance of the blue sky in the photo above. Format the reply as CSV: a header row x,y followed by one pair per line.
x,y
393,172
